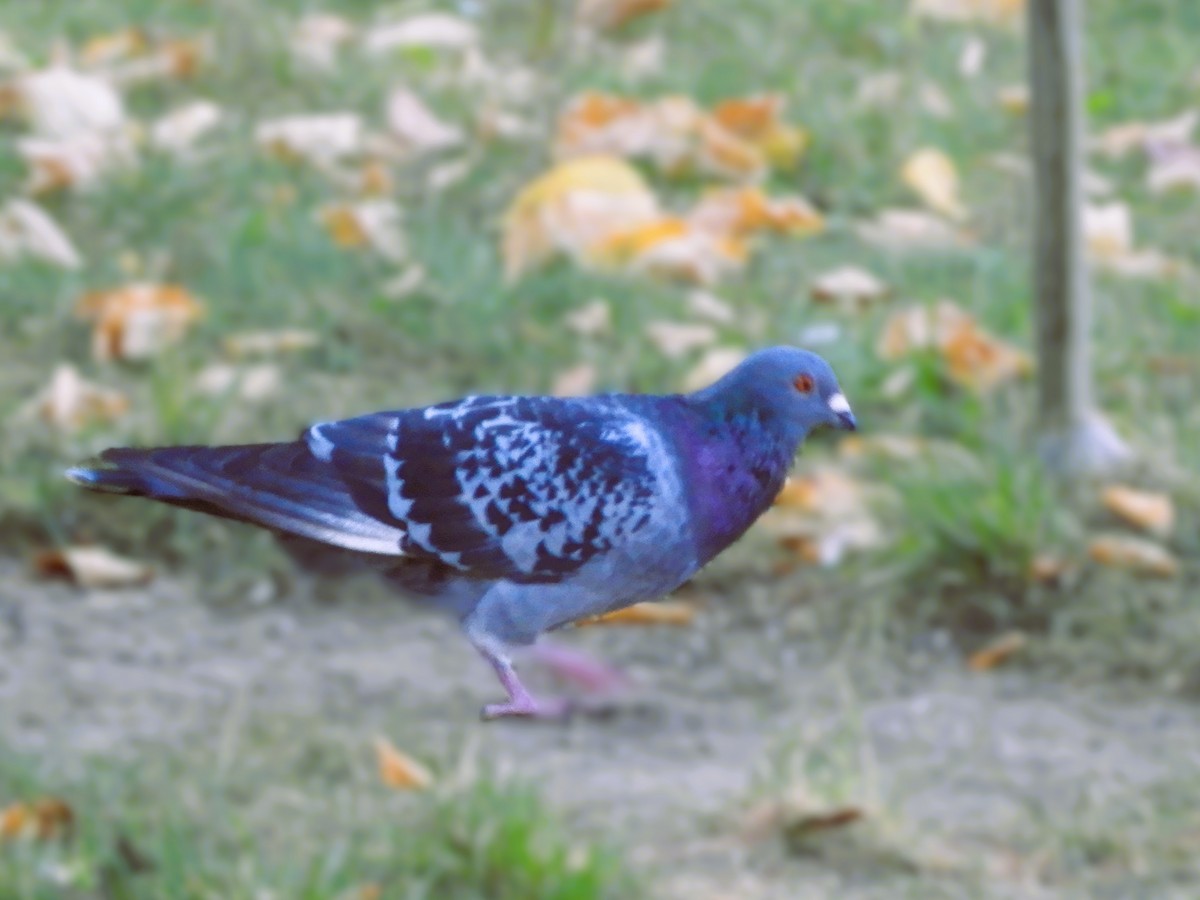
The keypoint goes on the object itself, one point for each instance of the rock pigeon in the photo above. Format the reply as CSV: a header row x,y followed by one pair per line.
x,y
518,514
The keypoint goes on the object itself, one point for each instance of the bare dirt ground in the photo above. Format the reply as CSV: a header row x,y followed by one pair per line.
x,y
960,773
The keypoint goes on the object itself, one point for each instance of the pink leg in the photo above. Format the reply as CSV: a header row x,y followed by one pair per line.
x,y
579,668
520,701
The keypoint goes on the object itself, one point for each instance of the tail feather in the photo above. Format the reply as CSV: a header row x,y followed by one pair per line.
x,y
280,486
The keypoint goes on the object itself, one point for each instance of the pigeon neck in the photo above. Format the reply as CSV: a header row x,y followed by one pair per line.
x,y
737,459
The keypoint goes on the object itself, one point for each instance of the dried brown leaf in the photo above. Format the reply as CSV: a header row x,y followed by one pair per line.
x,y
608,15
933,176
45,819
998,651
92,567
661,612
69,402
398,770
1147,510
138,320
374,224
849,287
1135,554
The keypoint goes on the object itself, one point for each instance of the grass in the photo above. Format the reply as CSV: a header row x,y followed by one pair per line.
x,y
304,822
238,230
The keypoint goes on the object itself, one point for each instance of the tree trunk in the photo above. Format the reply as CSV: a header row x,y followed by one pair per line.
x,y
1073,437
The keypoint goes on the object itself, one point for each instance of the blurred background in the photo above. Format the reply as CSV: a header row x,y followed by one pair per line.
x,y
933,669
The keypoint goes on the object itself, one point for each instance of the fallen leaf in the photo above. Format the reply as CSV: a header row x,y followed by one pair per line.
x,y
92,567
992,12
321,140
138,320
673,248
270,343
63,104
105,49
1014,99
905,229
932,175
1173,168
1121,140
849,287
375,224
977,360
1146,510
253,384
415,125
577,381
737,212
434,30
398,770
172,58
317,39
609,15
972,56
643,59
739,139
709,306
676,339
795,816
919,328
76,163
448,174
659,612
44,819
879,90
590,320
1048,568
715,364
405,284
28,230
179,130
934,100
69,402
998,651
1135,554
573,209
1108,230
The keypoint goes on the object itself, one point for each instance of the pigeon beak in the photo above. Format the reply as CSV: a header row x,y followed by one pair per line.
x,y
840,407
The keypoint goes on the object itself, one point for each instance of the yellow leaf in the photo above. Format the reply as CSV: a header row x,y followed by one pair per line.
x,y
931,173
741,211
661,612
138,320
375,224
398,770
575,208
92,567
1149,511
1135,554
997,652
758,121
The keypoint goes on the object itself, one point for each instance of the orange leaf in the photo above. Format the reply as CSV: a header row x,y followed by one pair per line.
x,y
139,320
399,770
663,612
1149,511
1135,554
997,652
609,15
44,819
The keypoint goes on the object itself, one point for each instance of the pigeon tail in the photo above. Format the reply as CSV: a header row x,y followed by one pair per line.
x,y
281,486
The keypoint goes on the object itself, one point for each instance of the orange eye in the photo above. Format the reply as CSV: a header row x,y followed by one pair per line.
x,y
803,383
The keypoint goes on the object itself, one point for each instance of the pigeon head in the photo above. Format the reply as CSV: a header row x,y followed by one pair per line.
x,y
785,385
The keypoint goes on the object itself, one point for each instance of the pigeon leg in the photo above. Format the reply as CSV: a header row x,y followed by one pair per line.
x,y
520,701
579,668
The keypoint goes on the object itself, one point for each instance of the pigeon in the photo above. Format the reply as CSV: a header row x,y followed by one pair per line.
x,y
518,514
